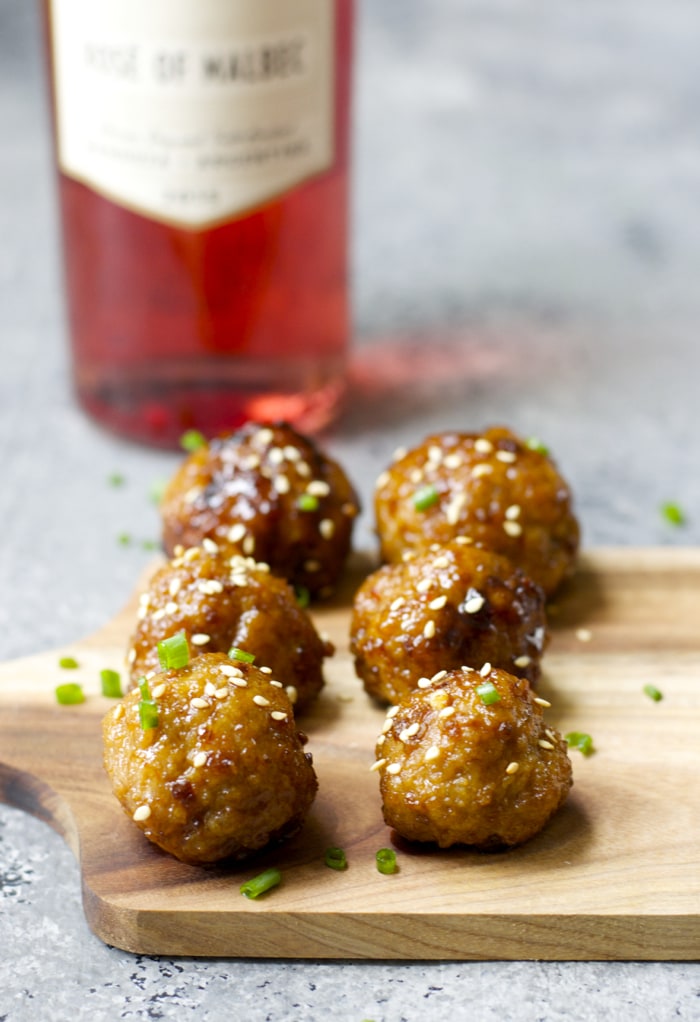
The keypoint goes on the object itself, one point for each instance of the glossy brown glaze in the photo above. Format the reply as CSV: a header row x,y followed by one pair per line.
x,y
490,487
220,602
267,492
456,771
455,605
223,773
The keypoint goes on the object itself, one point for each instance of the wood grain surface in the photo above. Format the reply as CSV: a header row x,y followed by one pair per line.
x,y
616,874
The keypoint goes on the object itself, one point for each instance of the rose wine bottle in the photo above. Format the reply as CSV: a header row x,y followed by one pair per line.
x,y
202,154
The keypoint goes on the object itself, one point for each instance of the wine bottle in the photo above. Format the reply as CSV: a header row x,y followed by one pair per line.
x,y
202,156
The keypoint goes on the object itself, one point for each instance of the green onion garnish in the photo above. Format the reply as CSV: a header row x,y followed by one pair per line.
x,y
240,654
673,513
535,444
69,694
124,539
425,497
116,479
192,440
307,502
303,596
111,683
653,692
386,860
157,489
149,544
488,693
148,708
581,741
261,883
174,652
68,663
336,858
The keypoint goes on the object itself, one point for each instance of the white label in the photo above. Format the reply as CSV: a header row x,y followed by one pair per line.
x,y
192,111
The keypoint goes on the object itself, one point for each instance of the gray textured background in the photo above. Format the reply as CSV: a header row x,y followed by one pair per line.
x,y
526,250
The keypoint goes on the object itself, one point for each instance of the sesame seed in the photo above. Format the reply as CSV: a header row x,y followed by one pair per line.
x,y
209,689
432,754
261,700
249,544
200,639
512,528
423,683
191,554
438,603
424,585
132,655
318,488
438,699
142,813
264,436
158,691
236,532
326,527
398,602
454,508
474,602
174,587
512,512
382,480
192,494
239,682
441,562
482,469
393,768
416,475
409,732
482,445
446,711
210,546
584,634
522,661
230,671
303,469
544,744
200,759
277,684
157,615
399,453
439,676
265,670
453,460
250,462
292,453
292,693
210,586
485,670
119,711
198,703
281,484
550,734
429,629
278,715
221,693
378,764
392,711
434,454
387,726
275,455
541,702
512,768
507,457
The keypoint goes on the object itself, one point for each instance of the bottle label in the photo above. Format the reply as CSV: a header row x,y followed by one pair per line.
x,y
193,111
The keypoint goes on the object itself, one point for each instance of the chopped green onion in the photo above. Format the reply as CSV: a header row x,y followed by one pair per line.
x,y
535,444
241,655
488,693
673,513
336,858
653,692
69,694
581,741
124,539
157,489
148,708
149,544
174,652
261,883
68,663
192,440
386,860
116,479
303,596
111,683
307,502
425,497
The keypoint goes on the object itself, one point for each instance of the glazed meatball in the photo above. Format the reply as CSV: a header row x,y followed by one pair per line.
x,y
470,761
491,487
455,605
267,492
221,602
223,773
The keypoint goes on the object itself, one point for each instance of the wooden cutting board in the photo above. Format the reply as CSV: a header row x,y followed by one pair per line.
x,y
616,874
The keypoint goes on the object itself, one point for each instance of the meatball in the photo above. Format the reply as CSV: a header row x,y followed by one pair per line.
x,y
470,761
452,606
268,492
221,602
491,487
223,773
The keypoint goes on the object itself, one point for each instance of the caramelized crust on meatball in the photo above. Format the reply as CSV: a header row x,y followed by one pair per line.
x,y
268,492
223,773
491,487
464,764
220,602
455,605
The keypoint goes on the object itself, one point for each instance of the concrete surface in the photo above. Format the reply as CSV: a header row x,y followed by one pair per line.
x,y
526,250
